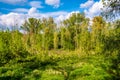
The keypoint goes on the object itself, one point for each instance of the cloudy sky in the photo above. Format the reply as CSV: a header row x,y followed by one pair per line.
x,y
16,11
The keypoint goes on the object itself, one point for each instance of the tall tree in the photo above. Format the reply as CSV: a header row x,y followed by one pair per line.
x,y
111,9
73,25
56,39
49,28
62,37
32,25
97,33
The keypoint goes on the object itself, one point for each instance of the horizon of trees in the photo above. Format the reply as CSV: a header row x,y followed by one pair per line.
x,y
72,34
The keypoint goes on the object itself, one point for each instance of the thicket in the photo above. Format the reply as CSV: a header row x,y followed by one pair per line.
x,y
75,50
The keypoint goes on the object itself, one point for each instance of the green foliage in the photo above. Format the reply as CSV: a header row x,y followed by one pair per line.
x,y
5,52
70,52
32,26
111,9
54,66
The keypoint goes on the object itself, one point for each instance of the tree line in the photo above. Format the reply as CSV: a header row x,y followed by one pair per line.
x,y
73,33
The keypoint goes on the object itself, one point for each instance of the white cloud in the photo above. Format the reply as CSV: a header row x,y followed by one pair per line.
x,y
87,4
11,19
69,15
13,1
56,14
55,3
36,4
20,10
94,10
32,10
64,16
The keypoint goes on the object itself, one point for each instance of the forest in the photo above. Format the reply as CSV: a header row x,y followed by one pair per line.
x,y
76,50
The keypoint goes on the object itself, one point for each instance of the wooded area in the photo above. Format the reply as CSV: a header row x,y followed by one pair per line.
x,y
76,50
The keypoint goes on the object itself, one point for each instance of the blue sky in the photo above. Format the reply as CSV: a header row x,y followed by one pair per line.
x,y
42,5
12,11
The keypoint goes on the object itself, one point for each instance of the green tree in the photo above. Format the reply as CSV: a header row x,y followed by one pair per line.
x,y
56,40
111,9
32,27
73,26
49,28
97,33
62,37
